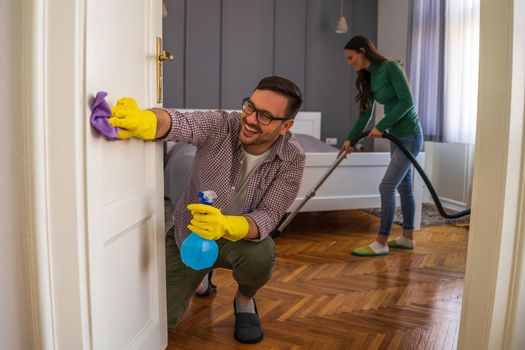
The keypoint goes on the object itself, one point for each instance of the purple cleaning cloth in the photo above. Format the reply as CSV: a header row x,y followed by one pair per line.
x,y
100,113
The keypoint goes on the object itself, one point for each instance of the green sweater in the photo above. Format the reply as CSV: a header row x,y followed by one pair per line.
x,y
389,87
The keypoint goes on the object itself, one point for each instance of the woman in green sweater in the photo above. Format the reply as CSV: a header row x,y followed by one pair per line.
x,y
384,81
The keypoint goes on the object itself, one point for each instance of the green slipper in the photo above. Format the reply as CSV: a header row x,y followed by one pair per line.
x,y
366,251
392,243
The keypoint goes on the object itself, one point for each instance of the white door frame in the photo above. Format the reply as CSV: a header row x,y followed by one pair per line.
x,y
54,81
54,88
496,236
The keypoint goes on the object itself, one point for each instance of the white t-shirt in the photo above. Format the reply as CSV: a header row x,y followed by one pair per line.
x,y
250,164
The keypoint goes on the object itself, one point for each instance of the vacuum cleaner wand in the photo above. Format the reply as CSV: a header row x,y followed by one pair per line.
x,y
310,194
342,156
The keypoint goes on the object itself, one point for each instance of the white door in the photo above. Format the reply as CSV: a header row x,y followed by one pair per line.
x,y
125,215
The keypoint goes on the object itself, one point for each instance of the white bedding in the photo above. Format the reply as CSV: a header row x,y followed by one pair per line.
x,y
310,144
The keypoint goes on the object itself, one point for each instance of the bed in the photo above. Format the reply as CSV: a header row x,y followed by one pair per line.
x,y
353,185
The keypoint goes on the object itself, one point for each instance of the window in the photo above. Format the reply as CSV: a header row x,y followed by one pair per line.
x,y
461,70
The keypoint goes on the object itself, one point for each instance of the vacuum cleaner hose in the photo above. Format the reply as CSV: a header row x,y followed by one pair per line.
x,y
342,155
421,172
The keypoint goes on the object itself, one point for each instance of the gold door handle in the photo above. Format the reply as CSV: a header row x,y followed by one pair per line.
x,y
161,57
166,56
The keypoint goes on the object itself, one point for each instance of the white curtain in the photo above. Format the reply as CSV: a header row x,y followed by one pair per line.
x,y
461,70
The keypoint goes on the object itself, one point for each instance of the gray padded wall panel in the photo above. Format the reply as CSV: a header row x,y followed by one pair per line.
x,y
203,53
223,48
290,40
247,48
367,26
328,80
173,32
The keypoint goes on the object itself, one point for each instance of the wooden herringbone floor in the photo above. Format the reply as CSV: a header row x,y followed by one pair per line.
x,y
321,297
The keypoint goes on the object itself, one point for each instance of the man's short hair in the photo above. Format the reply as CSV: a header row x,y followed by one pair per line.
x,y
286,88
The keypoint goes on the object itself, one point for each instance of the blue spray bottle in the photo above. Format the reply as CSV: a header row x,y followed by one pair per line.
x,y
196,252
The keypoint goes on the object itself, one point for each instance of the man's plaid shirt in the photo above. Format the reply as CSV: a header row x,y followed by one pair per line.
x,y
218,166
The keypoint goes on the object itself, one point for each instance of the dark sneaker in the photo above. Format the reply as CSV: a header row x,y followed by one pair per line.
x,y
248,328
211,287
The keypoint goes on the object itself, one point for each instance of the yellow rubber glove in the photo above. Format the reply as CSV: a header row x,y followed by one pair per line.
x,y
209,223
132,121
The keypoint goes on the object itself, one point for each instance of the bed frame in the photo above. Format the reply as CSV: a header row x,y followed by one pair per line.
x,y
354,184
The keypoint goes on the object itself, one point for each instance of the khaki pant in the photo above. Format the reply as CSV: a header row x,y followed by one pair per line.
x,y
252,264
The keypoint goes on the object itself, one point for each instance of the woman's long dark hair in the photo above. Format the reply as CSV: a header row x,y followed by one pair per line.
x,y
364,94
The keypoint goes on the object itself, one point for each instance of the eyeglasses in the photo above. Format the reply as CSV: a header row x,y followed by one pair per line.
x,y
263,117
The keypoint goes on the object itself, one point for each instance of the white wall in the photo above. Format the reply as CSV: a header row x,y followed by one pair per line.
x,y
15,329
448,166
